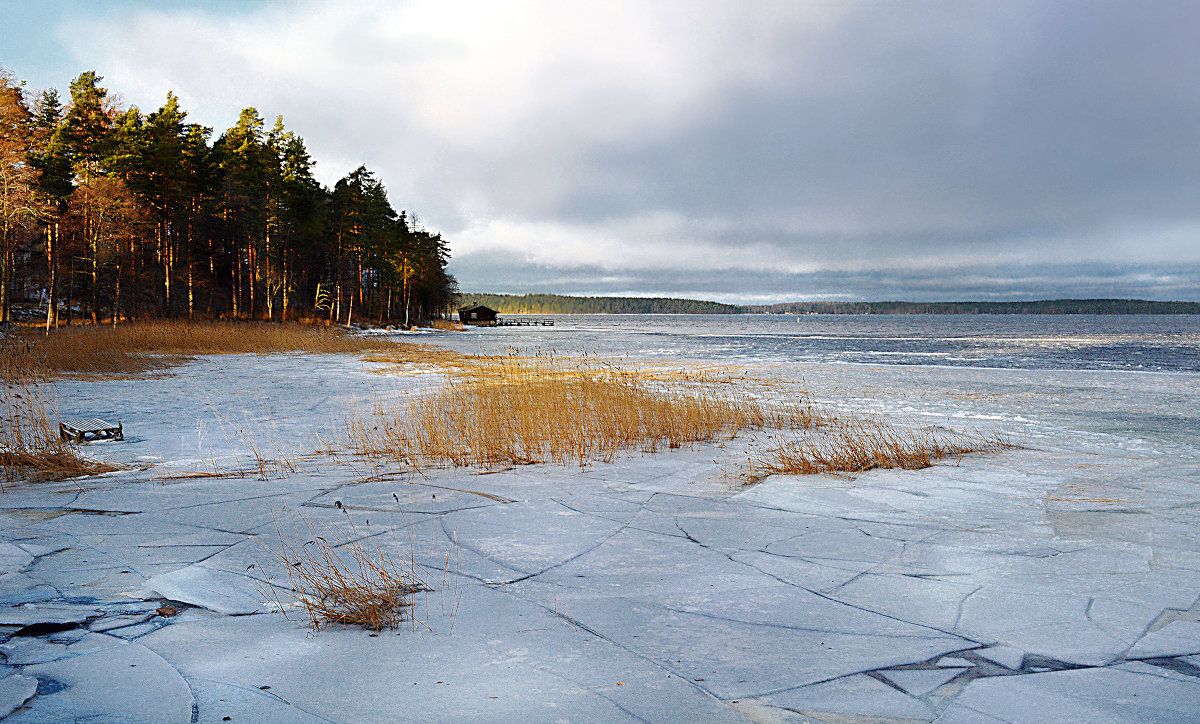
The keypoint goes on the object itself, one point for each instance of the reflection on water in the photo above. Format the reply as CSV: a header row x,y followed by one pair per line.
x,y
1150,343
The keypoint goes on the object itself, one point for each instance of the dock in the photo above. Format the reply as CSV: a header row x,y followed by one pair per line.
x,y
525,323
93,428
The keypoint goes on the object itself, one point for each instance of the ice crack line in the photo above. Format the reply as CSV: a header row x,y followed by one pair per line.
x,y
788,627
621,647
590,514
831,599
577,556
962,605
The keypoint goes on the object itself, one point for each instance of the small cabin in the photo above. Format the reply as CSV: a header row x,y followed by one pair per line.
x,y
478,315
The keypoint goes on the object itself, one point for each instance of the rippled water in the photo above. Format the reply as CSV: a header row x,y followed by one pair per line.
x,y
1162,343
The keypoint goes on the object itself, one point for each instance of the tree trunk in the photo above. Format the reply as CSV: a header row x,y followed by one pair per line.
x,y
116,308
52,273
168,264
404,271
236,277
161,232
212,278
6,277
93,247
286,286
358,281
70,292
252,270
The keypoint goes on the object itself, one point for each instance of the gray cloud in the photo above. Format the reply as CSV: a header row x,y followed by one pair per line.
x,y
1067,121
498,272
934,150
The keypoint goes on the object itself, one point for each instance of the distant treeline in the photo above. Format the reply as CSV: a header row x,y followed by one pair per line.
x,y
1046,306
558,304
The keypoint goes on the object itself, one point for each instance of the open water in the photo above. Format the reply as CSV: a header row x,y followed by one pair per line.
x,y
1150,343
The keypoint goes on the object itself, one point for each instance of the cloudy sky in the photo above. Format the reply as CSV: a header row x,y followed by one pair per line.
x,y
739,151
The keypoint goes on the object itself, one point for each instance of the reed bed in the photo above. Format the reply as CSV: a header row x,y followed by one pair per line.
x,y
513,410
346,579
30,446
141,347
856,446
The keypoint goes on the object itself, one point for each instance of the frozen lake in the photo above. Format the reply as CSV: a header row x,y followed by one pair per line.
x,y
1169,343
1058,582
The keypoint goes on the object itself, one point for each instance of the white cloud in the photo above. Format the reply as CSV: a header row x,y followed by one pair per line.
x,y
471,75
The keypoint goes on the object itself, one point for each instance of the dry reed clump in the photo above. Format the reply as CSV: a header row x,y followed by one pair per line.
x,y
343,579
510,410
141,347
30,446
860,445
447,325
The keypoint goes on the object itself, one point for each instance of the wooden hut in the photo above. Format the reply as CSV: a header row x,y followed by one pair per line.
x,y
478,315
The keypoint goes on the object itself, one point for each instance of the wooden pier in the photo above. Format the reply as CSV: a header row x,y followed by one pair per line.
x,y
481,316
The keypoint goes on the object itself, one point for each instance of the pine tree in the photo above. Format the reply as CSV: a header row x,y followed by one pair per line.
x,y
17,182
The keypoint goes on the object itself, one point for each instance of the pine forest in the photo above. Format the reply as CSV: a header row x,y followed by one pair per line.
x,y
109,214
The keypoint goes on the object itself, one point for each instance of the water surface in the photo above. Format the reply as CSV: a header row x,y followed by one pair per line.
x,y
1152,343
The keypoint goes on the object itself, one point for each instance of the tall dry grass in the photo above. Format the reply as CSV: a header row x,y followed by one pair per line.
x,y
140,347
515,410
30,446
855,446
345,578
512,410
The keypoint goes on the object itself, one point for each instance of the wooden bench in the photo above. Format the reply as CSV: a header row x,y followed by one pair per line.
x,y
79,430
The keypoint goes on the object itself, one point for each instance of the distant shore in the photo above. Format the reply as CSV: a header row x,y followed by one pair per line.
x,y
562,304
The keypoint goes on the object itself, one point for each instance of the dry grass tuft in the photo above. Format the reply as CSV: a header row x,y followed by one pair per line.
x,y
512,410
141,347
343,579
860,445
447,325
30,446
